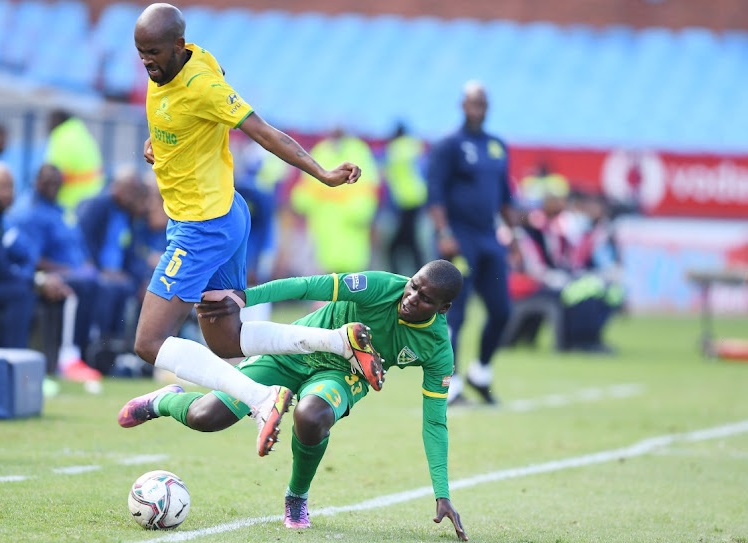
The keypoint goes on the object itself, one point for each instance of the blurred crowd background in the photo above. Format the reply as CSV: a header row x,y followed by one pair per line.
x,y
625,121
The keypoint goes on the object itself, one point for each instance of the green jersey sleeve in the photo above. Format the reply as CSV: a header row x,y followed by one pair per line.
x,y
315,287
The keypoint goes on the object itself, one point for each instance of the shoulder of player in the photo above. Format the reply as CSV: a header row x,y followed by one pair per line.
x,y
202,71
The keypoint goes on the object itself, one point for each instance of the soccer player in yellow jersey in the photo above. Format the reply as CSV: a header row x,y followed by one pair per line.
x,y
190,109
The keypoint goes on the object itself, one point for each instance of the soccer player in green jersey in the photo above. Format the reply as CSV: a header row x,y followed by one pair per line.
x,y
406,317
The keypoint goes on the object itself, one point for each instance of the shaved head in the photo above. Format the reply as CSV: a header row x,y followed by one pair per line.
x,y
473,88
474,105
163,20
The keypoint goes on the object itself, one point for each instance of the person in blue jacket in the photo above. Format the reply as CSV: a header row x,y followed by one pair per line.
x,y
20,286
107,223
469,187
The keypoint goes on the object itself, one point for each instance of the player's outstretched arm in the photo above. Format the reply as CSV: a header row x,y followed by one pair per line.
x,y
444,509
286,148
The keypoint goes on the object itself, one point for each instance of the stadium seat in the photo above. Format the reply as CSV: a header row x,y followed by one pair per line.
x,y
28,24
114,27
549,84
202,25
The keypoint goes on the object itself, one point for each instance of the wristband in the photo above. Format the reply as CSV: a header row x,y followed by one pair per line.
x,y
445,232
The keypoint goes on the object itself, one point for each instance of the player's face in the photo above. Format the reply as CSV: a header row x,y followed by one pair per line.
x,y
161,59
421,300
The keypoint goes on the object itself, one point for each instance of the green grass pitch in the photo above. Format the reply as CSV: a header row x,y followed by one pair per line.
x,y
649,446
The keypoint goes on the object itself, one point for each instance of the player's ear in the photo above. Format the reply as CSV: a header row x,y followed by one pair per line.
x,y
445,308
179,45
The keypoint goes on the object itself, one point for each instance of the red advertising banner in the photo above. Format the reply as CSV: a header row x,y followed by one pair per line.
x,y
658,183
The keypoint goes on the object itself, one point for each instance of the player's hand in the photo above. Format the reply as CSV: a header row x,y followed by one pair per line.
x,y
448,247
148,152
346,173
444,509
220,303
53,287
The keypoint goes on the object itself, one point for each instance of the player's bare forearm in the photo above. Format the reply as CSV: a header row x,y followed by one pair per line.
x,y
289,150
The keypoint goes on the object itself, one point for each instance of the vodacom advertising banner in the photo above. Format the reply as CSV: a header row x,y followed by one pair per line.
x,y
658,183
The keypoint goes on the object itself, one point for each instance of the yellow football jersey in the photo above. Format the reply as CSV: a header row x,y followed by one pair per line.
x,y
189,119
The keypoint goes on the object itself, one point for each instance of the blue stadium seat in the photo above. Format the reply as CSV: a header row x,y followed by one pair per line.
x,y
233,24
114,27
6,14
548,84
28,23
64,57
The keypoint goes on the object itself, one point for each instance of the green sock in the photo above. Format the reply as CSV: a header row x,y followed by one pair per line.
x,y
175,405
306,459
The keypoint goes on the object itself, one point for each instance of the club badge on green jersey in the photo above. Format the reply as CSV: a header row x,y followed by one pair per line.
x,y
406,356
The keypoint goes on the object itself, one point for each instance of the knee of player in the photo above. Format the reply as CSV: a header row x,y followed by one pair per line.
x,y
201,419
313,418
145,350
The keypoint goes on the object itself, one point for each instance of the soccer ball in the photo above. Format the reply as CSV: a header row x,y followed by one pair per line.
x,y
159,500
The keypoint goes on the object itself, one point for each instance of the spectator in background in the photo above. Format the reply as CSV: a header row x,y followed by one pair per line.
x,y
58,247
407,188
75,152
339,222
107,222
19,283
258,175
3,139
558,248
149,235
468,177
543,180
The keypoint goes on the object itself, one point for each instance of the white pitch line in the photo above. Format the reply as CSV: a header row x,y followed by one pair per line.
x,y
13,478
554,401
75,470
639,448
143,459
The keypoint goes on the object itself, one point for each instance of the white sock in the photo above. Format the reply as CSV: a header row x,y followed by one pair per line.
x,y
480,374
264,337
69,352
196,363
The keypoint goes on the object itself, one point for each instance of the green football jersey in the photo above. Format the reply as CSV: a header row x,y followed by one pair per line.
x,y
373,298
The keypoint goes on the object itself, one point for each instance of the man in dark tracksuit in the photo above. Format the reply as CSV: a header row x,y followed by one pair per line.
x,y
468,177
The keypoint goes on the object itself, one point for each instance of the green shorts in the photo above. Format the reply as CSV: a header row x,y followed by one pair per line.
x,y
340,389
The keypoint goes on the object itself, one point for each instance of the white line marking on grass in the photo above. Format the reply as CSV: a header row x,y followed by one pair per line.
x,y
143,459
75,470
640,448
13,478
625,390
